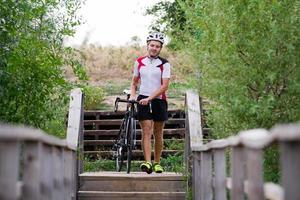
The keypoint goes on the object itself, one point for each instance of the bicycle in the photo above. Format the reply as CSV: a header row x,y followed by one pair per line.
x,y
126,139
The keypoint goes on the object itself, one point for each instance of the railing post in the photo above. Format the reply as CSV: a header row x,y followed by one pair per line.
x,y
75,131
196,175
206,175
255,174
220,174
289,140
9,169
194,133
32,171
238,173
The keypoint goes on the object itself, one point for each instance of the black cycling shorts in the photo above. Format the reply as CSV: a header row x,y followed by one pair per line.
x,y
159,108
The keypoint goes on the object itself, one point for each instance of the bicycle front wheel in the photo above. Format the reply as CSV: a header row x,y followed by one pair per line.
x,y
130,142
120,148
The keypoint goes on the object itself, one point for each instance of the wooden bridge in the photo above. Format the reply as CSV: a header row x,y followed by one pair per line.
x,y
34,165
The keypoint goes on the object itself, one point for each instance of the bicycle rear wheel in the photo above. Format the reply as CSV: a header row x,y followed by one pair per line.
x,y
130,142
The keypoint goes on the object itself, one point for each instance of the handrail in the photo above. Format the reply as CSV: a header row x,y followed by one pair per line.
x,y
34,165
209,179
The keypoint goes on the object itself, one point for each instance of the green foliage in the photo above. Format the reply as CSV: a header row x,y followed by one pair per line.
x,y
247,53
173,163
32,86
93,96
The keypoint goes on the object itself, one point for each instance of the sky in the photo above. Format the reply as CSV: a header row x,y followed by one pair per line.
x,y
112,22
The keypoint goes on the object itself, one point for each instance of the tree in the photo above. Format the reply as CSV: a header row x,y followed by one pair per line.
x,y
32,56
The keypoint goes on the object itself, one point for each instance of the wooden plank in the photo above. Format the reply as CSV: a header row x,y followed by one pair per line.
x,y
117,122
68,173
112,195
75,118
47,175
194,118
290,162
196,178
238,173
179,131
206,175
21,133
58,185
32,170
255,189
220,174
9,169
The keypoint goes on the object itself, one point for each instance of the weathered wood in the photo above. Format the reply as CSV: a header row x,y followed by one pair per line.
x,y
58,173
75,118
238,173
206,175
290,162
255,189
255,138
32,170
194,118
9,169
68,173
220,174
273,191
47,182
22,133
196,178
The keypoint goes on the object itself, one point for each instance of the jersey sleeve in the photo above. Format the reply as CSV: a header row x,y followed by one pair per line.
x,y
135,69
167,71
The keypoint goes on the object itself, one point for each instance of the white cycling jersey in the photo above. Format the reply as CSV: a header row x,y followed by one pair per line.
x,y
151,71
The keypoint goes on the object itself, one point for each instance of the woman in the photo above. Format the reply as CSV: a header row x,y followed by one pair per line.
x,y
152,74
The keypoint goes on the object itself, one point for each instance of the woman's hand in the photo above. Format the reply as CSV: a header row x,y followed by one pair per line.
x,y
144,101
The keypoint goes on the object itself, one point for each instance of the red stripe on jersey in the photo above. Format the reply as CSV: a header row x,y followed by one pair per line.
x,y
141,64
163,95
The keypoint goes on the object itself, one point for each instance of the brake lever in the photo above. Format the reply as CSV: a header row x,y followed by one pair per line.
x,y
116,104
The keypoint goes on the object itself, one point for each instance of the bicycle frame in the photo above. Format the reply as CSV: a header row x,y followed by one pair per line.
x,y
126,143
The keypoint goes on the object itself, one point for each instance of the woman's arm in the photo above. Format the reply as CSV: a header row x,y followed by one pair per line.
x,y
133,87
158,92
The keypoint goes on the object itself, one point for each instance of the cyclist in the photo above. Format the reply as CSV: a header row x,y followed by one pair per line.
x,y
152,74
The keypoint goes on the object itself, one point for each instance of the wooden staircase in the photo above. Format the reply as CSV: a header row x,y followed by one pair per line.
x,y
100,131
136,185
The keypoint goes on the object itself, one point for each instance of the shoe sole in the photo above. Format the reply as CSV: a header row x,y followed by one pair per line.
x,y
145,169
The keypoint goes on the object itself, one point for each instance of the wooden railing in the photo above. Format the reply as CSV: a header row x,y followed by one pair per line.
x,y
208,161
36,166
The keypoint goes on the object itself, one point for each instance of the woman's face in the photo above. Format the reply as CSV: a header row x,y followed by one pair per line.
x,y
154,48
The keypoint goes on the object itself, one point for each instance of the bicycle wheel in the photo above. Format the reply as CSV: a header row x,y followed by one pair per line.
x,y
120,147
130,142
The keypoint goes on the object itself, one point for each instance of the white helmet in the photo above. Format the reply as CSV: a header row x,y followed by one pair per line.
x,y
157,36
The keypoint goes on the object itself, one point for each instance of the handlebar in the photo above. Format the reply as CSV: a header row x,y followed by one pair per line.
x,y
124,101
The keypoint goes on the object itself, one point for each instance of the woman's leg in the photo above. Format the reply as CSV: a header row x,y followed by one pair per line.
x,y
147,126
158,136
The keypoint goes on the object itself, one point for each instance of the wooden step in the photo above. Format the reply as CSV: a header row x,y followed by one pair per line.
x,y
98,114
111,142
133,182
111,195
100,124
136,154
96,134
114,132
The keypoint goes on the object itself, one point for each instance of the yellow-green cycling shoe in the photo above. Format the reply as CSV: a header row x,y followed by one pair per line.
x,y
146,167
157,168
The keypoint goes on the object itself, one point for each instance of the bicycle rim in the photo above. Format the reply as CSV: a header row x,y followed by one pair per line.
x,y
130,143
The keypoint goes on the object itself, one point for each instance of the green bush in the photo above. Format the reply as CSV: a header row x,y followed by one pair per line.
x,y
93,96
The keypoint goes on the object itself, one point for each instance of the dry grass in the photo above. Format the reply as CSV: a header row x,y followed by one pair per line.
x,y
111,67
115,64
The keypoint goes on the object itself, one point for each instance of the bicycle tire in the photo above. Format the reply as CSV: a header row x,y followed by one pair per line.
x,y
120,150
130,143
